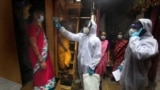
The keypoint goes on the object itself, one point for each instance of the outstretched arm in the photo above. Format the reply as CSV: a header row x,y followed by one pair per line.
x,y
71,36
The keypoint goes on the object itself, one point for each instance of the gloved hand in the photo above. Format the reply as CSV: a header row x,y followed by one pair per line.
x,y
90,71
56,23
137,33
120,67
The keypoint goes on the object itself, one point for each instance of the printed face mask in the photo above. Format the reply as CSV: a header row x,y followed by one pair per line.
x,y
41,19
85,30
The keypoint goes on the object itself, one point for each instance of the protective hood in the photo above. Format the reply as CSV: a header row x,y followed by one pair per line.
x,y
137,59
93,28
147,25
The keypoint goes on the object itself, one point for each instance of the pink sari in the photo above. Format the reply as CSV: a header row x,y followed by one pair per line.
x,y
101,67
43,79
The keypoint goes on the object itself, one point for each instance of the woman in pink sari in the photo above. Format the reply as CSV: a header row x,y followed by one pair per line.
x,y
43,75
101,67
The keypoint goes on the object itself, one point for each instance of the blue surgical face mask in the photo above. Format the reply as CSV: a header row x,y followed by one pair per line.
x,y
132,30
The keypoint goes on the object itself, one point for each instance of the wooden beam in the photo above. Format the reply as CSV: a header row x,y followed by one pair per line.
x,y
55,13
74,6
62,4
50,31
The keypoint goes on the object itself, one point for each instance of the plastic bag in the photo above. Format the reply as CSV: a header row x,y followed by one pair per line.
x,y
91,82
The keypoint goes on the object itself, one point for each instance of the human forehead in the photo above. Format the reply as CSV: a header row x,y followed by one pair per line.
x,y
103,33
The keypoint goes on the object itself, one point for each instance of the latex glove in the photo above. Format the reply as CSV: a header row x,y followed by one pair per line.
x,y
120,67
56,23
90,71
137,33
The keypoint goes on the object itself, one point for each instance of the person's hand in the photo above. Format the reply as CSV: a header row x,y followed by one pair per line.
x,y
137,33
120,67
90,71
56,23
43,65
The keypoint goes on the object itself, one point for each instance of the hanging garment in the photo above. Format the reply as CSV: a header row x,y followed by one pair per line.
x,y
64,54
155,13
158,72
43,79
137,59
101,67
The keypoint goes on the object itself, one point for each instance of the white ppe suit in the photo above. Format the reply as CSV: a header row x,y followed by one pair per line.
x,y
89,48
137,59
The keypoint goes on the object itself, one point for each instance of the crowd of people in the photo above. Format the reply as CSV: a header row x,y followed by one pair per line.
x,y
131,57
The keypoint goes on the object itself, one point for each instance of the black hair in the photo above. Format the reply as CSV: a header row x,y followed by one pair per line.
x,y
86,23
33,10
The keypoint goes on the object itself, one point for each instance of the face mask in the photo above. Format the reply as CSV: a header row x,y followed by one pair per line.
x,y
119,36
103,37
132,31
41,19
85,30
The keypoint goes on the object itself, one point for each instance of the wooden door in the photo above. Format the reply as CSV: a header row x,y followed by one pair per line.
x,y
9,65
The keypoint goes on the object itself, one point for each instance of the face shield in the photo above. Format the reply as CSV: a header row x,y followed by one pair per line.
x,y
135,27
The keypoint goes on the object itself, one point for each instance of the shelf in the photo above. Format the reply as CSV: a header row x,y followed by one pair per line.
x,y
72,42
71,11
70,71
74,5
74,52
62,87
72,62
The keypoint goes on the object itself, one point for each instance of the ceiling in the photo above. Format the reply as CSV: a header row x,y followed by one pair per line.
x,y
106,5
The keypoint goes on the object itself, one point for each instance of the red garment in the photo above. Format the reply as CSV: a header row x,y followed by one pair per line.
x,y
42,76
101,67
155,13
119,50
